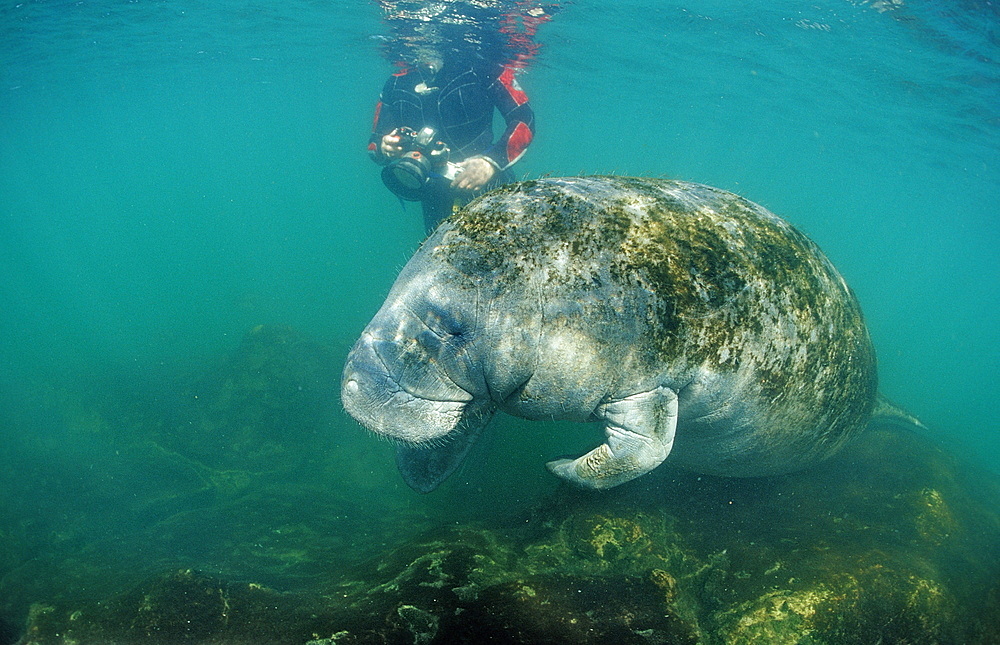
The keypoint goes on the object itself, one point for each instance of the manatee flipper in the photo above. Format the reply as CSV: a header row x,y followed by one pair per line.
x,y
423,469
888,412
640,430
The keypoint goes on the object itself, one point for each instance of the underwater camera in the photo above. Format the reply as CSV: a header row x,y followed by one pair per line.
x,y
424,158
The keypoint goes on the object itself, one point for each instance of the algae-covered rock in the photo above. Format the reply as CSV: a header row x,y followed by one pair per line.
x,y
179,607
633,568
866,606
534,586
457,586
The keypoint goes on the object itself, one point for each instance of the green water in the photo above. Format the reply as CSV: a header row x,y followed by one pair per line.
x,y
173,174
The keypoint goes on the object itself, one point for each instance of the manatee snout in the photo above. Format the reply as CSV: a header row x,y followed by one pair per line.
x,y
399,391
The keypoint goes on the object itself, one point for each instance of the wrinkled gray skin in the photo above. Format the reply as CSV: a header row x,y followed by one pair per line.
x,y
690,323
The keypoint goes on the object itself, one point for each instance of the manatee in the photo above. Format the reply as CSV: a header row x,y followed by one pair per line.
x,y
695,326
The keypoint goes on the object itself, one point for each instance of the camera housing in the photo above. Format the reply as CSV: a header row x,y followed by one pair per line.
x,y
424,159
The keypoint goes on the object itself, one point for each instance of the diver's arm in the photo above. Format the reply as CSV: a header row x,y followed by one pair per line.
x,y
513,105
476,172
384,123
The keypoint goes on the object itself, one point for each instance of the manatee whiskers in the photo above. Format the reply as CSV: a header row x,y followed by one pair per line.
x,y
383,437
429,444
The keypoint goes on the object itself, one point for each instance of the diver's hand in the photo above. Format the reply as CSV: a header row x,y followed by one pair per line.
x,y
474,173
392,145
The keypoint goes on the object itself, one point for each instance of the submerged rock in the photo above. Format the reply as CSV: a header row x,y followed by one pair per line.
x,y
908,554
178,607
463,586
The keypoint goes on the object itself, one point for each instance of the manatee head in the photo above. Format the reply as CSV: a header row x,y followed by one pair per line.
x,y
410,376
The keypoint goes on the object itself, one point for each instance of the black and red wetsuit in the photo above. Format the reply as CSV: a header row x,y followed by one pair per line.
x,y
458,102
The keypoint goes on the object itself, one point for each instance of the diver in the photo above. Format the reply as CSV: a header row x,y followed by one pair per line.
x,y
433,130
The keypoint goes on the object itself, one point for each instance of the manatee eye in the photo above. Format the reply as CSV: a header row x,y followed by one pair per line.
x,y
444,323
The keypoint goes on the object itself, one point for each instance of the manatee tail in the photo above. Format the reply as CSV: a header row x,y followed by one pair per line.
x,y
888,412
